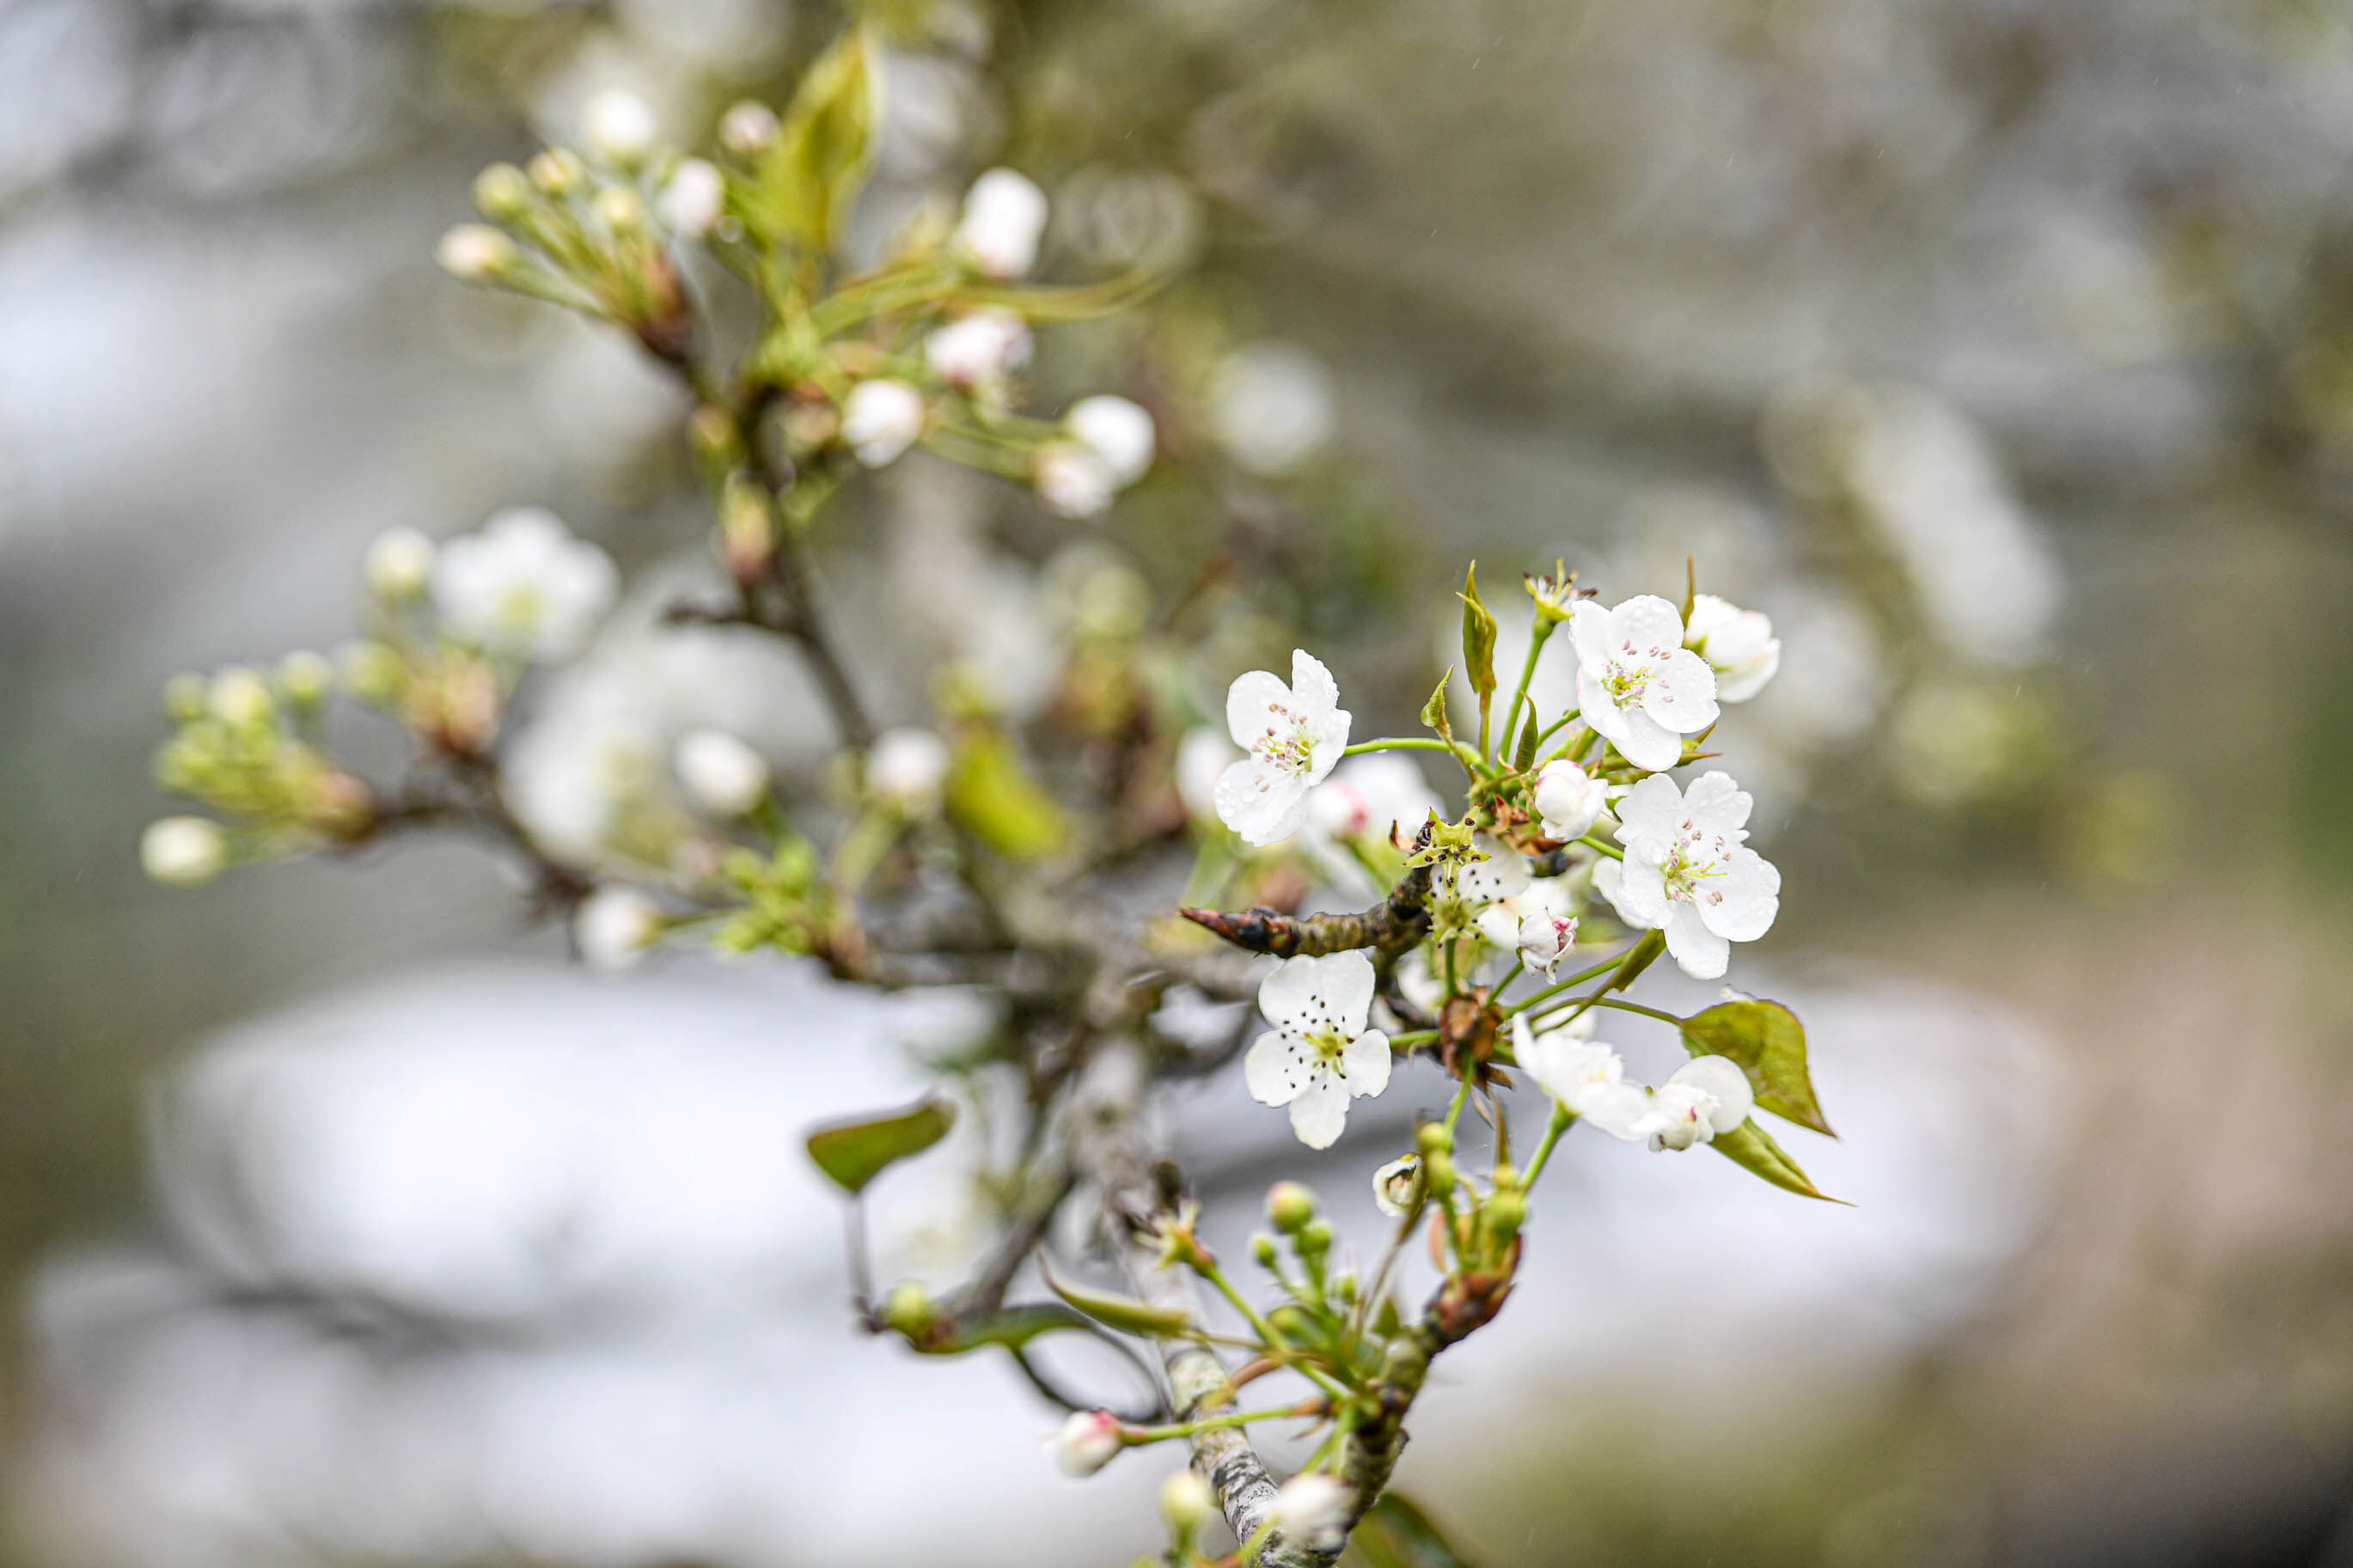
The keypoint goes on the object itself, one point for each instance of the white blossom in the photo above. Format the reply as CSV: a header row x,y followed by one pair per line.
x,y
906,767
615,925
978,347
1738,644
1320,1054
1588,1077
475,252
748,128
1187,1502
1117,431
1539,922
1271,405
1503,874
1202,758
882,420
1072,479
399,564
1085,1443
1636,682
1295,735
1569,800
184,851
1706,1095
1314,1511
617,128
1688,870
240,699
1398,1187
523,584
1003,215
691,199
722,774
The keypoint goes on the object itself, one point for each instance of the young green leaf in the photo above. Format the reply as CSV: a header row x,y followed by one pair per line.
x,y
1433,712
1526,756
1770,1043
854,1153
1396,1534
809,178
1125,1313
1753,1147
1012,1327
991,792
1478,638
1691,585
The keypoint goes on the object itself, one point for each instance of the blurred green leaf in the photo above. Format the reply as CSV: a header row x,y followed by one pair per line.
x,y
1751,1146
990,791
854,1153
1770,1043
1125,1313
1478,638
1395,1533
807,179
1012,1327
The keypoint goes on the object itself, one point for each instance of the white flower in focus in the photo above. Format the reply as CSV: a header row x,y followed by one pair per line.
x,y
1706,1097
723,775
977,349
1540,922
183,851
1314,1511
880,420
1004,215
523,584
1568,799
475,252
748,128
693,199
615,925
1295,735
1202,758
617,128
1117,431
399,564
1738,644
1272,404
1371,797
1503,874
1320,1055
1585,1076
1688,871
906,767
1088,1441
1397,1185
1072,480
1636,682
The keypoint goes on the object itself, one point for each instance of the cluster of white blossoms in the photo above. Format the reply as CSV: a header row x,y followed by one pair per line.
x,y
522,585
1706,1097
1645,682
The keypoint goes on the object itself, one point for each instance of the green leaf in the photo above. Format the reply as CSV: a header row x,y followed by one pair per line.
x,y
1125,1313
1478,638
1395,1533
1753,1147
990,791
809,177
1690,586
854,1153
1770,1043
1526,758
1433,712
1012,1327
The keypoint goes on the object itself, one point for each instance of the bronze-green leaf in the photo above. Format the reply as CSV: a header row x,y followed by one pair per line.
x,y
1125,1313
1770,1043
1012,1327
1478,638
1753,1147
854,1153
1394,1533
809,177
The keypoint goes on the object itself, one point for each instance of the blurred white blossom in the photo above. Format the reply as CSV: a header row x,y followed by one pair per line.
x,y
523,584
1272,404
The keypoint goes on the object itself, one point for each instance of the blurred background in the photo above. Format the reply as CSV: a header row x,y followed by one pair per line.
x,y
2001,350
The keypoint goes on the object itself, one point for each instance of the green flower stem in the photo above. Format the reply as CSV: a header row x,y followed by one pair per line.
x,y
1140,1435
1273,1343
1461,1097
1590,842
1518,969
1413,743
1411,1039
1549,991
1635,1007
1562,1117
1543,629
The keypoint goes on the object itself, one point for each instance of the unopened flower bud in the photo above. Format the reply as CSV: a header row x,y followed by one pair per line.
x,y
184,851
1437,1172
1316,1237
1397,1186
400,564
557,171
615,925
1004,215
501,193
1117,431
723,775
370,672
623,210
1434,1138
241,698
185,697
1507,1178
1088,1441
1289,1205
475,252
1505,1212
693,199
305,679
1072,480
1262,1251
906,768
882,420
748,128
1187,1503
908,1309
1314,1511
617,128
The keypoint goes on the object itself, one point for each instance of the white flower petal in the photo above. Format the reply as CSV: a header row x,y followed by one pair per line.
x,y
1264,804
1653,811
1345,979
1703,955
1681,695
1741,904
1648,622
1320,1113
1365,1066
1271,1070
1721,1080
1647,743
1313,685
1715,804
